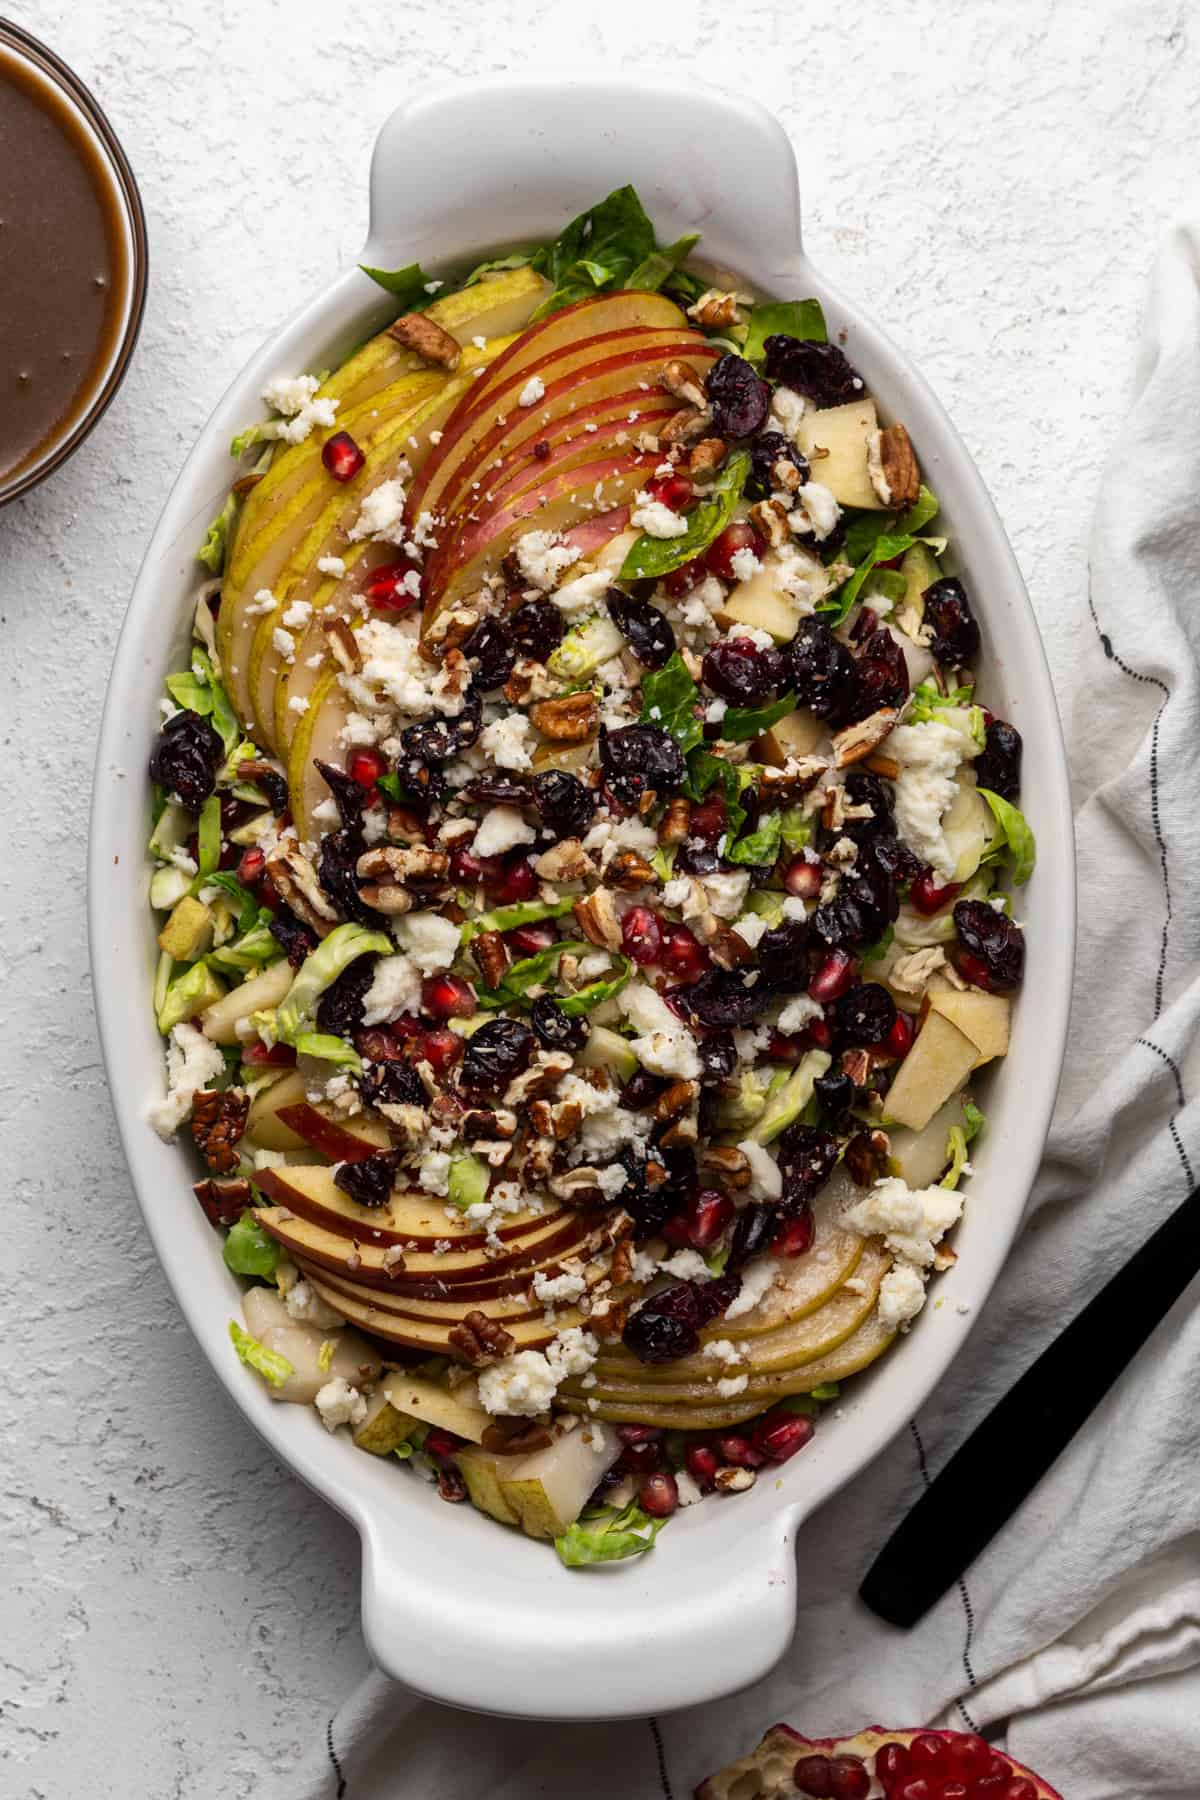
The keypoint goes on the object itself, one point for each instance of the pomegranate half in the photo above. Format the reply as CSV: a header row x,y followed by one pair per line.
x,y
875,1764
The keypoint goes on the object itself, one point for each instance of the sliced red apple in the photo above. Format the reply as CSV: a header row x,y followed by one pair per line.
x,y
365,1261
591,535
340,1139
421,1334
410,1216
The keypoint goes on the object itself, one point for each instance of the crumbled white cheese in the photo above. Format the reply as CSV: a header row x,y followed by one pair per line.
x,y
542,558
724,1350
395,989
655,519
501,829
715,711
766,1182
393,670
435,1172
533,391
331,565
551,1290
192,1062
508,741
750,928
732,1385
727,892
757,1280
665,1046
744,565
901,1296
583,593
687,1488
382,513
799,1012
297,614
911,1220
762,640
430,940
526,1383
687,1265
290,394
929,755
306,1306
816,512
787,409
340,1404
284,642
264,602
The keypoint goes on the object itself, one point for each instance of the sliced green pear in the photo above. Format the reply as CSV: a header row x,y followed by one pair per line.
x,y
921,1156
296,680
501,1307
805,1282
785,1107
550,1488
221,1020
984,1018
264,1127
969,830
318,739
762,602
936,1067
482,1471
316,1356
835,440
920,570
384,1429
459,1412
608,1050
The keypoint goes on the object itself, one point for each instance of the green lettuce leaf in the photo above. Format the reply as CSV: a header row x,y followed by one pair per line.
x,y
761,846
273,1368
956,1156
742,722
789,318
329,1049
797,830
506,918
669,697
406,285
649,557
604,1534
208,835
973,1121
497,265
828,1390
882,550
705,771
216,539
657,268
248,913
878,950
530,972
597,991
252,950
923,508
927,702
863,528
599,249
1017,834
332,955
248,1249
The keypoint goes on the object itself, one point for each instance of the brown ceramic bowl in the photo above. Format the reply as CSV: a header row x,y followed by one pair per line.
x,y
36,67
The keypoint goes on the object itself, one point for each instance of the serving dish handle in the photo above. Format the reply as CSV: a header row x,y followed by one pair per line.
x,y
475,155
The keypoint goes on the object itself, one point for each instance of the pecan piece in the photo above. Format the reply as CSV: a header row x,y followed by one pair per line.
x,y
597,918
482,1123
218,1121
608,1322
529,681
726,1164
676,821
451,629
680,380
491,956
295,880
571,719
706,457
714,307
343,645
729,948
855,742
771,518
568,861
480,1339
414,865
629,870
515,1437
620,1268
866,1157
386,897
577,1187
224,1202
423,335
675,1100
687,426
540,1079
451,1485
856,1064
892,467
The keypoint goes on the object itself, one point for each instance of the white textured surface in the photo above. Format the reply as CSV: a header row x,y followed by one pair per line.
x,y
991,181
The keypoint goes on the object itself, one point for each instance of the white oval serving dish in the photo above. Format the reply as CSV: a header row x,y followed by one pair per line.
x,y
454,1605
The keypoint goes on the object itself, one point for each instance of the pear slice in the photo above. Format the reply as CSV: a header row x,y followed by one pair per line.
x,y
384,1429
834,439
984,1018
221,1020
339,1251
798,733
306,1348
317,739
550,1488
482,1471
805,1282
936,1067
459,1412
761,602
264,1127
921,1156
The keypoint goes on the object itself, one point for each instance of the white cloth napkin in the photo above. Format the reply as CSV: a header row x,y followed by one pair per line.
x,y
1080,1625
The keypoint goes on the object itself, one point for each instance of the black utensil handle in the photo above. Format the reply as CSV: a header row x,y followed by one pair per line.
x,y
1005,1457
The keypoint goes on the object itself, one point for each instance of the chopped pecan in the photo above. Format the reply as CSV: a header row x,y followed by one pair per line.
x,y
253,768
491,956
537,1158
856,1064
413,865
620,1269
577,1187
568,861
451,1485
529,681
420,333
726,1164
218,1121
855,742
714,307
883,765
681,381
451,629
682,1131
771,518
295,880
596,917
629,870
729,948
540,1078
572,719
706,457
944,1258
676,821
343,645
687,426
608,1322
246,484
412,1122
798,775
866,1157
482,1122
675,1100
386,898
785,475
480,1339
224,1202
734,1481
892,466
515,1437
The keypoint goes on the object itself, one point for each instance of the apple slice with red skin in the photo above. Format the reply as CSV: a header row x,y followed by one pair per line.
x,y
571,438
554,505
409,1217
420,1334
595,374
591,535
341,1140
777,1767
348,1254
502,1307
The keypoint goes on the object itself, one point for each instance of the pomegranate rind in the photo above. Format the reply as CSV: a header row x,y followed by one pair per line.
x,y
766,1774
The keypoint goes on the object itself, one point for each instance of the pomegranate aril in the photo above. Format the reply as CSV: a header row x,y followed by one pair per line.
x,y
642,1458
447,997
967,1757
803,878
682,580
819,1034
529,939
954,1790
848,1779
342,456
517,881
701,1464
926,895
795,1236
834,976
738,1451
440,1443
658,1494
928,1754
811,1776
721,552
641,935
915,1787
1018,1789
441,1049
899,1040
708,820
706,1218
638,1434
393,587
251,867
891,1763
366,766
258,1056
672,490
780,1435
682,953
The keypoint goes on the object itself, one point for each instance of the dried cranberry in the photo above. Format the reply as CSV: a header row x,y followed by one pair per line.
x,y
298,940
664,1327
993,942
495,1054
709,818
948,612
492,646
753,1232
722,998
998,767
640,758
650,635
720,556
391,1083
894,859
865,1015
186,759
767,450
820,669
739,397
348,795
821,372
641,1090
783,956
340,1008
695,857
807,1157
537,629
836,1093
369,1181
739,671
514,881
865,789
715,1297
556,1029
928,895
436,740
499,790
567,805
274,786
880,676
650,1203
718,1058
839,923
337,873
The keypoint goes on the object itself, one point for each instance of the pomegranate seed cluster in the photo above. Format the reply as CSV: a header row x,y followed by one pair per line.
x,y
900,1765
591,908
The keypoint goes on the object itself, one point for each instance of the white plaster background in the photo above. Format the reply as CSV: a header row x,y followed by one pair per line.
x,y
991,178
